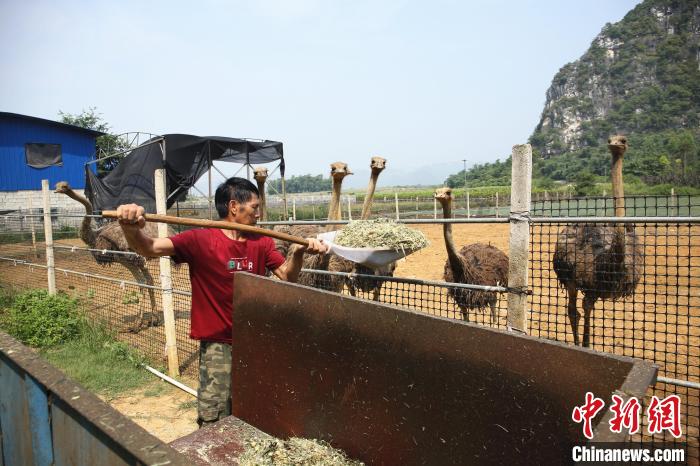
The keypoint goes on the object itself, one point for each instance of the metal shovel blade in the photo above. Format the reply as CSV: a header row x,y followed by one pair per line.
x,y
370,257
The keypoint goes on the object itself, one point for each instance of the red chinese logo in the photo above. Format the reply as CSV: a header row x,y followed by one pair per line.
x,y
626,415
661,414
665,415
586,412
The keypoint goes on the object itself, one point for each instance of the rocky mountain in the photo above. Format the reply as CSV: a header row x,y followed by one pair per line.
x,y
639,77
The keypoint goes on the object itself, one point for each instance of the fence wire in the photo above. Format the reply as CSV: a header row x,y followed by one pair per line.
x,y
658,321
640,282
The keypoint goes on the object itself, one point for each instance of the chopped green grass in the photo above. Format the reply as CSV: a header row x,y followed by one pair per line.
x,y
380,233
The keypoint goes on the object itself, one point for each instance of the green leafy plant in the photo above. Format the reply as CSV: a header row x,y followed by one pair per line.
x,y
39,319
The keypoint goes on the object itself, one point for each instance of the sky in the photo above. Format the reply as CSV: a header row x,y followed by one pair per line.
x,y
423,84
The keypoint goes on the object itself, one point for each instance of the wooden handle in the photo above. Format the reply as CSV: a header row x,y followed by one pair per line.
x,y
197,222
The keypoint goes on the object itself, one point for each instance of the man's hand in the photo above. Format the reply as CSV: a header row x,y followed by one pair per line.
x,y
316,246
131,216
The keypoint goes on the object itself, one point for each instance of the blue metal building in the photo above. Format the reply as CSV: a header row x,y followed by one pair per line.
x,y
33,149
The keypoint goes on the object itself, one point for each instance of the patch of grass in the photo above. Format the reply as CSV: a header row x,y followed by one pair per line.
x,y
86,352
99,363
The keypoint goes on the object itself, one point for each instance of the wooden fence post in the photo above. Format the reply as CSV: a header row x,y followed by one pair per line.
x,y
396,202
673,203
521,184
434,208
48,234
349,209
166,281
294,209
496,204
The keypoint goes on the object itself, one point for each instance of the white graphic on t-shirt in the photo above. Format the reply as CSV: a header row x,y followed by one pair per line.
x,y
236,264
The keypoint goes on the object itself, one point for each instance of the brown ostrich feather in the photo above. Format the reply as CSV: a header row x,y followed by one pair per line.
x,y
482,264
599,260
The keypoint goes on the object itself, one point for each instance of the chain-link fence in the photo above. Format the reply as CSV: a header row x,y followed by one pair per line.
x,y
643,273
638,281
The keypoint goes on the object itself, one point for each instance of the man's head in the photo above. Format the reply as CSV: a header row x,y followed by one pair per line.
x,y
238,199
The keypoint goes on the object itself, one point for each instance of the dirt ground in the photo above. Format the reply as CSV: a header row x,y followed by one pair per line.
x,y
660,323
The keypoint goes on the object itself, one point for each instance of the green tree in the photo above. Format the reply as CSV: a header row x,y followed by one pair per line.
x,y
584,183
106,145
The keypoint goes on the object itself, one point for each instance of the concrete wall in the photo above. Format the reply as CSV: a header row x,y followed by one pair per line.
x,y
16,200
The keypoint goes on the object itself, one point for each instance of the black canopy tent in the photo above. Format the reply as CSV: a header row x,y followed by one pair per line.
x,y
185,159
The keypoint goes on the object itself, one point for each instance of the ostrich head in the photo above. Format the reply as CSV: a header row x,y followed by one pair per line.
x,y
443,195
339,170
377,165
260,174
617,145
62,187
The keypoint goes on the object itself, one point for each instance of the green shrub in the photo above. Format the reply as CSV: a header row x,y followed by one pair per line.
x,y
39,319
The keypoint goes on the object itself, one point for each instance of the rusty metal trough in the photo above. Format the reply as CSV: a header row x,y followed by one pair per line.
x,y
391,386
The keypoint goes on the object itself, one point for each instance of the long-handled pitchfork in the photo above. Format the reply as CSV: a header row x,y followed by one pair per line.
x,y
370,257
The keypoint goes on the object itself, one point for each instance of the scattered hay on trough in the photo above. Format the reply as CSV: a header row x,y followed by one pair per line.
x,y
292,452
380,233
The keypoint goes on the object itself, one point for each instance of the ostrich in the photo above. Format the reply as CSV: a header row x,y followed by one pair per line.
x,y
111,237
477,264
260,175
601,261
339,170
332,263
376,166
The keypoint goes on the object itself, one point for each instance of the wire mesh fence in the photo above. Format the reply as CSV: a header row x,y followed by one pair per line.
x,y
657,320
639,283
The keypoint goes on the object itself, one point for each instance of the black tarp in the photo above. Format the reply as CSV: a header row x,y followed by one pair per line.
x,y
187,159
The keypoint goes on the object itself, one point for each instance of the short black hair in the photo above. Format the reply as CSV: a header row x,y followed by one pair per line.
x,y
233,189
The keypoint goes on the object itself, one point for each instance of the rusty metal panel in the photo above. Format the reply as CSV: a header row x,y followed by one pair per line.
x,y
14,415
390,386
219,444
85,430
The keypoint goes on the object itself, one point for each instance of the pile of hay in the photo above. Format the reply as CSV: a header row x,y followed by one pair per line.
x,y
293,452
380,233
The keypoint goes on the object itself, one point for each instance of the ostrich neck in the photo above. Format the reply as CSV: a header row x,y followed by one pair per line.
x,y
334,209
87,234
617,185
456,263
619,197
263,210
367,206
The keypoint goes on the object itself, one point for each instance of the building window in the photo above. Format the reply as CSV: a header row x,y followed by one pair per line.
x,y
40,155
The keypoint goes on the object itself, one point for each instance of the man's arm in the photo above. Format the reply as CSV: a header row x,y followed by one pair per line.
x,y
132,222
289,271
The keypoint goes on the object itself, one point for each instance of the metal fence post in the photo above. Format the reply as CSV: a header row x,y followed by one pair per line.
x,y
166,281
521,184
31,224
469,212
48,234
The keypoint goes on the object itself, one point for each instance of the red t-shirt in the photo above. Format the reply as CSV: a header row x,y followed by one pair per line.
x,y
214,259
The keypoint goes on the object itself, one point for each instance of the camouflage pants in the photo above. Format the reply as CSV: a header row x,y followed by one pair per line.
x,y
214,393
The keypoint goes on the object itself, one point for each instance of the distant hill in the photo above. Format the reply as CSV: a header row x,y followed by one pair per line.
x,y
639,77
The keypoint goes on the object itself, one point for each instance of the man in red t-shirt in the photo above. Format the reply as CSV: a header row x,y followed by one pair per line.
x,y
214,256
